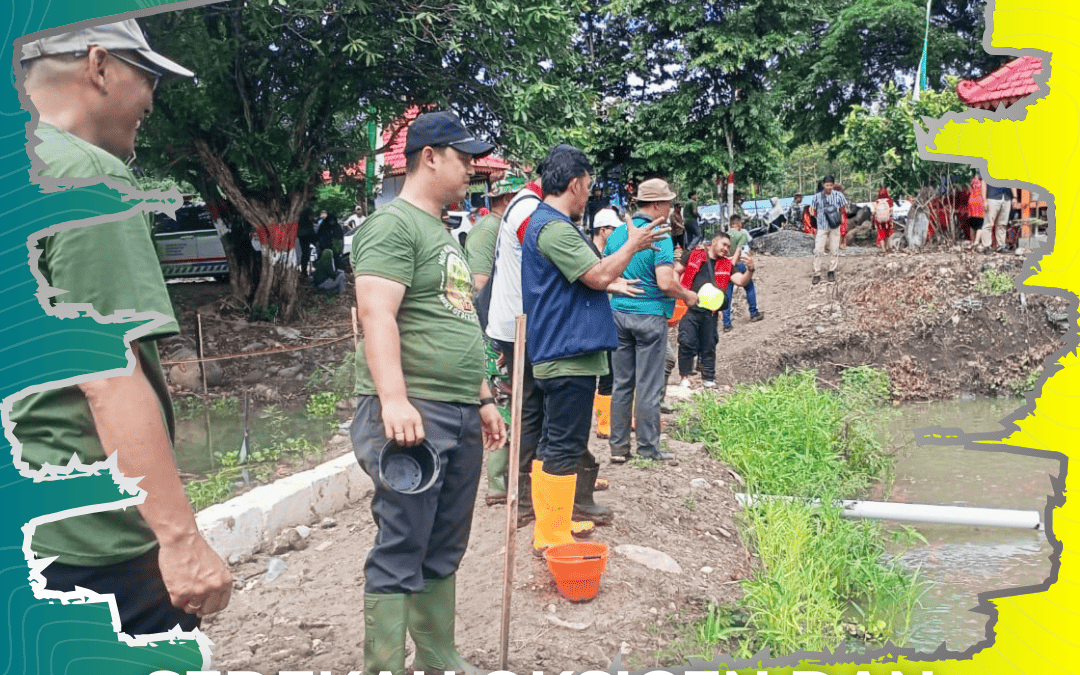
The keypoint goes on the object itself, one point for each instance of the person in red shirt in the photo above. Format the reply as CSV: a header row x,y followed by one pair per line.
x,y
698,336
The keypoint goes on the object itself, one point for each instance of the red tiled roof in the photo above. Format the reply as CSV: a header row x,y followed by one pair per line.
x,y
393,138
1006,85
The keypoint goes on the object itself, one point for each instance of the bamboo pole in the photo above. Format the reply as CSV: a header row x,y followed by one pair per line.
x,y
512,468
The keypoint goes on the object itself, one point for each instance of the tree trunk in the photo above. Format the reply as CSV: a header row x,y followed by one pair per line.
x,y
280,270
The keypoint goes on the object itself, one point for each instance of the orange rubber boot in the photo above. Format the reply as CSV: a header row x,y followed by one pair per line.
x,y
602,406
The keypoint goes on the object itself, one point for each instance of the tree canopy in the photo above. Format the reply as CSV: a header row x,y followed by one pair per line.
x,y
284,90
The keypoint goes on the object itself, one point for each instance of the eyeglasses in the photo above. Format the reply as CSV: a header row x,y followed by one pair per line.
x,y
153,76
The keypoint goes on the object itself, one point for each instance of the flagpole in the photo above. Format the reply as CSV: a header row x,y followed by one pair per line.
x,y
920,76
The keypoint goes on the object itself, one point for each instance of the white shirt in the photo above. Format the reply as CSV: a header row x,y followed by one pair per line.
x,y
505,281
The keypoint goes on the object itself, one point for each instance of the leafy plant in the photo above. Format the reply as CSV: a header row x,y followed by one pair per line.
x,y
994,282
323,404
185,408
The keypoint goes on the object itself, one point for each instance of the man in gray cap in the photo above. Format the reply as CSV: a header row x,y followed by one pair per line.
x,y
91,89
420,380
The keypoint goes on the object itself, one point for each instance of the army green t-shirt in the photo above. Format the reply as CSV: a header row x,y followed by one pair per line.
x,y
562,244
112,266
480,244
442,350
738,238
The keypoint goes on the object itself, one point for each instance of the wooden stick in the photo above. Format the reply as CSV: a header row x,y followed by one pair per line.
x,y
512,468
202,369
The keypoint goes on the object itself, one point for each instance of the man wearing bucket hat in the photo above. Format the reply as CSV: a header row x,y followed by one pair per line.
x,y
420,380
638,363
91,89
564,286
480,242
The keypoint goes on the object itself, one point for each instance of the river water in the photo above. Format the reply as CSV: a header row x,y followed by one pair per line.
x,y
963,561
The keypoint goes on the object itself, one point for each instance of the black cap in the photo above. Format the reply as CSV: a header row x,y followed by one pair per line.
x,y
443,128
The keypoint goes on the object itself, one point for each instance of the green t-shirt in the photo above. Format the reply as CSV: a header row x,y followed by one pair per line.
x,y
442,349
738,238
112,266
690,214
562,244
480,244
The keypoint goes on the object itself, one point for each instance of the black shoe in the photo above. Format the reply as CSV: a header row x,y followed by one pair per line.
x,y
757,317
832,276
525,514
727,329
816,279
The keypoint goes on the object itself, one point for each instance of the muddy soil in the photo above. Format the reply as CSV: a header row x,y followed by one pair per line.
x,y
920,315
310,618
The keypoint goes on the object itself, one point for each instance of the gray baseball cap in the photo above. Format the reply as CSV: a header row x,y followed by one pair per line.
x,y
123,35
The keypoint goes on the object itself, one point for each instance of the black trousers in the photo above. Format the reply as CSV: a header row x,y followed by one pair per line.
x,y
142,601
568,408
421,536
698,337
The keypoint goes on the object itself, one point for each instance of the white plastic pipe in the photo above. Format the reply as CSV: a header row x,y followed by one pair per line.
x,y
925,513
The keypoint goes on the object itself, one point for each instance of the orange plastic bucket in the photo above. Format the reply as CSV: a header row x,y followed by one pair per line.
x,y
680,309
577,568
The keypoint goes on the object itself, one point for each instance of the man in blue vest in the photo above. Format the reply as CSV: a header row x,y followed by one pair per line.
x,y
641,322
570,327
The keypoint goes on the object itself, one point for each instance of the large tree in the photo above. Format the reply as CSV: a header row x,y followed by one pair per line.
x,y
285,88
693,90
881,139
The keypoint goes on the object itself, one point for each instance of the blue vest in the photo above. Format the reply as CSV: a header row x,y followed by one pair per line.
x,y
564,319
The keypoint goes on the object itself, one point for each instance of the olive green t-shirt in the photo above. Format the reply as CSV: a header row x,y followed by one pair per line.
x,y
738,238
113,267
442,350
480,244
562,244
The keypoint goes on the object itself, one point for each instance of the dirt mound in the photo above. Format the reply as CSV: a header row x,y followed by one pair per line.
x,y
925,316
309,618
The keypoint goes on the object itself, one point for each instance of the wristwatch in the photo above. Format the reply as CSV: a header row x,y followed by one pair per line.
x,y
487,399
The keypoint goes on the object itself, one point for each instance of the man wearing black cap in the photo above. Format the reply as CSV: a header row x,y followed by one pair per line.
x,y
420,378
91,89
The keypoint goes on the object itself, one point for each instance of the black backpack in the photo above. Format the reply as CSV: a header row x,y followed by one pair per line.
x,y
831,213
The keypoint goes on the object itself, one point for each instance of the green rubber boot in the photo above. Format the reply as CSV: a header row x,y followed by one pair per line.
x,y
496,476
431,624
384,633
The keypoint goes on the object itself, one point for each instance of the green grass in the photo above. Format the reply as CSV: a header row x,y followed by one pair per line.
x,y
822,578
643,463
787,437
1021,386
994,282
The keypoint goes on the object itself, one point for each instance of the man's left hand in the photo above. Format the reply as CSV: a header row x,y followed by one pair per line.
x,y
624,286
493,426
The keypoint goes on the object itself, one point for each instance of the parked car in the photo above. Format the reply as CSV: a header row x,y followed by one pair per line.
x,y
190,244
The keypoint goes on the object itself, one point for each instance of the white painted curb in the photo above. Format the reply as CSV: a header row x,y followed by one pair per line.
x,y
241,524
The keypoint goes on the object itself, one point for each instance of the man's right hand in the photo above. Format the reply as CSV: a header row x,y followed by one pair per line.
x,y
197,581
402,422
691,300
641,238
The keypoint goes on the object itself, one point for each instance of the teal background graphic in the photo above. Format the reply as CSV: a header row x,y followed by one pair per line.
x,y
41,636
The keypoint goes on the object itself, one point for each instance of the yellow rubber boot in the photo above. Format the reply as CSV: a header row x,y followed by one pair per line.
x,y
602,406
553,502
